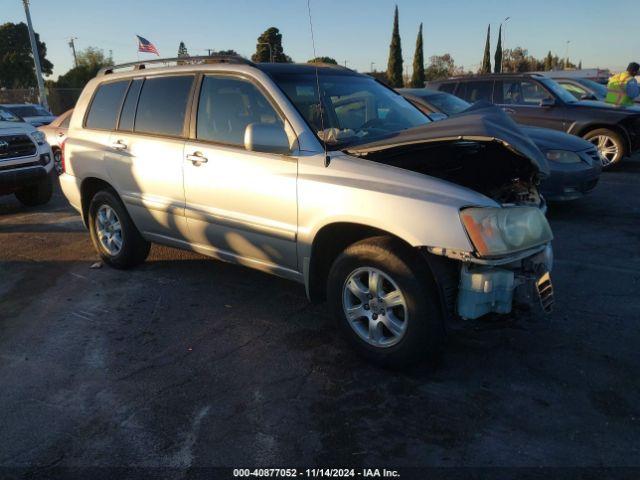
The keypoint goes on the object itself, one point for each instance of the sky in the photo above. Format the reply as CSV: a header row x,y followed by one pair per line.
x,y
601,34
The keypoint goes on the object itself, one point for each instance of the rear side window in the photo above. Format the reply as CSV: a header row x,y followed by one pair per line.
x,y
478,91
105,106
447,87
162,105
128,113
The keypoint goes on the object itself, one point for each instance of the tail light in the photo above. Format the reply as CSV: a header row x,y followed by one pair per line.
x,y
63,165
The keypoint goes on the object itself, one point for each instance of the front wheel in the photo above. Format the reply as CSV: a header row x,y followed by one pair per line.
x,y
610,144
386,302
114,234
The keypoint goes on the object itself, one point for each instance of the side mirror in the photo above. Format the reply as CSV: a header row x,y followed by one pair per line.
x,y
267,138
588,96
547,102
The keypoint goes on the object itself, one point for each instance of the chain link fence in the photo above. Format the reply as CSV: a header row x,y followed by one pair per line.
x,y
60,99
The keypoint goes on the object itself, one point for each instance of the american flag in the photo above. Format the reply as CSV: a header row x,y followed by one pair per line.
x,y
145,45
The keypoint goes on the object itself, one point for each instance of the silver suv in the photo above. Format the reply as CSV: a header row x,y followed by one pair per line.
x,y
400,223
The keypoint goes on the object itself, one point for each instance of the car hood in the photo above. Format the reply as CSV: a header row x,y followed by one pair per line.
x,y
635,109
16,127
482,122
547,139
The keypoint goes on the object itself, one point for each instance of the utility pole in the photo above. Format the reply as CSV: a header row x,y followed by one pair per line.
x,y
504,41
73,49
566,61
270,50
372,64
36,57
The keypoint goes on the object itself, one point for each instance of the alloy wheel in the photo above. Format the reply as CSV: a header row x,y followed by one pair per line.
x,y
375,307
109,230
607,147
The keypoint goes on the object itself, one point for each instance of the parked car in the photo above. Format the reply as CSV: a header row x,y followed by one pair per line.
x,y
31,113
25,161
574,164
56,133
539,101
398,221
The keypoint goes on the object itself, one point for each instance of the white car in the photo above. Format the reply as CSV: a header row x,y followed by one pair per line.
x,y
25,161
56,133
31,113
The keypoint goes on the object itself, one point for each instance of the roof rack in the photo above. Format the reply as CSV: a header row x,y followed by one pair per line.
x,y
141,65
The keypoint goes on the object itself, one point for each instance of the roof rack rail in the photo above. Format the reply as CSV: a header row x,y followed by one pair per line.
x,y
141,65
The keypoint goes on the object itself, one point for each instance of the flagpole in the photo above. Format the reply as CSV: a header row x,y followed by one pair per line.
x,y
137,48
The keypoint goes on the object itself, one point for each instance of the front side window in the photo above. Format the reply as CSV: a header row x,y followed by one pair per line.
x,y
574,90
356,109
523,92
478,91
162,105
105,106
227,105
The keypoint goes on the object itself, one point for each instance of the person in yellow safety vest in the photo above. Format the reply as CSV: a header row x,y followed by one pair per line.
x,y
623,87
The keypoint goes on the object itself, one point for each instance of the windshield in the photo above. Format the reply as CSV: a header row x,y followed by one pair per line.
x,y
557,90
29,111
7,116
600,89
357,109
449,104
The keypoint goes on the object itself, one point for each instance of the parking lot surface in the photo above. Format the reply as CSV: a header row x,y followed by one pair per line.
x,y
187,362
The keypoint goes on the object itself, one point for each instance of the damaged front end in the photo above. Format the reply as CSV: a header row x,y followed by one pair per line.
x,y
484,150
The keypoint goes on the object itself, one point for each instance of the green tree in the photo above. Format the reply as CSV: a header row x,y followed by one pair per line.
x,y
548,62
16,60
90,60
270,43
486,60
441,67
328,60
417,78
182,50
580,65
394,66
230,53
497,64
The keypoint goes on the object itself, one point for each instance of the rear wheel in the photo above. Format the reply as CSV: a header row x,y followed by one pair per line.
x,y
113,233
610,144
36,194
386,302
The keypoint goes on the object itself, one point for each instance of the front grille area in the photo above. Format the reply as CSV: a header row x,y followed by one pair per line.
x,y
16,146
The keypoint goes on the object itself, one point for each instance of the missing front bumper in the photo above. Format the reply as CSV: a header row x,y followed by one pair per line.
x,y
490,289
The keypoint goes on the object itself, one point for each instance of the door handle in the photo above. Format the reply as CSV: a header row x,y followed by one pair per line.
x,y
61,134
197,158
119,145
510,111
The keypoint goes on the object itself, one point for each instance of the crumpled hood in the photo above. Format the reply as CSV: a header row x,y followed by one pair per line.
x,y
480,122
547,139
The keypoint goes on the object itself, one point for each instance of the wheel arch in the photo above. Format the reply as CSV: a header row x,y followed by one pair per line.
x,y
88,188
582,130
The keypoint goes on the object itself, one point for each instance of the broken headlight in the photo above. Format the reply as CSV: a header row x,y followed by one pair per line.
x,y
498,231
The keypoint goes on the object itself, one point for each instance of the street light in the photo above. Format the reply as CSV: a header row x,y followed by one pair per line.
x,y
372,64
36,57
504,40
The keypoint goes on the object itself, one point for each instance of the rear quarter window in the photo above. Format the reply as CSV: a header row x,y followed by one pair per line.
x,y
162,105
105,105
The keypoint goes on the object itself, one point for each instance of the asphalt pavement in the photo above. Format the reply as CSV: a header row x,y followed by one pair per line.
x,y
186,362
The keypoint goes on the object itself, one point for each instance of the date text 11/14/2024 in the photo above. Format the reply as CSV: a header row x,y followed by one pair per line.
x,y
315,473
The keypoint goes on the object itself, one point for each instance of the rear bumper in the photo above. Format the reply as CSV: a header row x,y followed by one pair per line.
x,y
70,186
570,181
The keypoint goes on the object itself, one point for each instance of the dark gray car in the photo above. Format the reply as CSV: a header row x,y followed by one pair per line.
x,y
539,101
574,164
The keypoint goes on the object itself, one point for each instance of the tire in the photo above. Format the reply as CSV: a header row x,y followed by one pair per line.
x,y
113,233
36,194
417,331
610,144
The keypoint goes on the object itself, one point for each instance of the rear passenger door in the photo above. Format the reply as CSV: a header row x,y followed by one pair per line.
x,y
240,205
475,91
521,99
146,154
